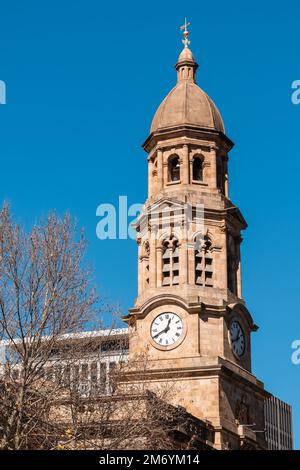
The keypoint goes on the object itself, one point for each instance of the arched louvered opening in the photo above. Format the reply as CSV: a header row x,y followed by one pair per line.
x,y
203,263
170,262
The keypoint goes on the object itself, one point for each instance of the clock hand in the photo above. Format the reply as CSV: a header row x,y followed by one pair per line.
x,y
237,341
168,325
164,330
157,334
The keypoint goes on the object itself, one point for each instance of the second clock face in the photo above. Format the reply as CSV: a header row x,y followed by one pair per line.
x,y
166,329
237,338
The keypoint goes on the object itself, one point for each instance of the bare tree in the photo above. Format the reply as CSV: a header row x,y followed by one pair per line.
x,y
47,304
45,292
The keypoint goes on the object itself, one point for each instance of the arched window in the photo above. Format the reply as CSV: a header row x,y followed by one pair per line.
x,y
203,263
170,262
197,168
174,168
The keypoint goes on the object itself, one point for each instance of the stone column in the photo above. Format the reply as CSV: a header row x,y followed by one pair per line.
x,y
160,176
213,166
150,177
140,266
191,262
239,269
152,259
159,253
226,176
184,177
183,264
165,174
224,260
191,168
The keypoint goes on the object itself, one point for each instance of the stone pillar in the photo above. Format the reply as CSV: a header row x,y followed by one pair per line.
x,y
183,274
184,177
165,173
159,253
213,166
239,269
160,176
140,266
152,259
191,168
191,262
226,176
150,177
224,262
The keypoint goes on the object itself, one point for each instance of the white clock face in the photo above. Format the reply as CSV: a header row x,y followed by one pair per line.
x,y
237,336
166,329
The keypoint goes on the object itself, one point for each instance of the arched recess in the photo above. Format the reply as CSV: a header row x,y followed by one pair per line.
x,y
197,168
173,168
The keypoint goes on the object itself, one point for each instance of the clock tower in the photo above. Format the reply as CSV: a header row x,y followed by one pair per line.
x,y
190,317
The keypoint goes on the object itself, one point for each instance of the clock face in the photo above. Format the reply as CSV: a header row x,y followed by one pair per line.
x,y
237,337
166,329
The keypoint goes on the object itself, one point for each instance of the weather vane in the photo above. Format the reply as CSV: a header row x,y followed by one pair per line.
x,y
183,28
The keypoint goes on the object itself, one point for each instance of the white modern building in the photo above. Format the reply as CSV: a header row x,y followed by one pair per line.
x,y
107,348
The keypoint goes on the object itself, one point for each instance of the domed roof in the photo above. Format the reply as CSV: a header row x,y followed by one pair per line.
x,y
187,103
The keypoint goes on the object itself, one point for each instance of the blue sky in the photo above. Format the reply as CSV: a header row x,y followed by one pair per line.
x,y
83,81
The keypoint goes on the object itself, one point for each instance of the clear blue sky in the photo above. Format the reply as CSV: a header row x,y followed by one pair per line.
x,y
83,81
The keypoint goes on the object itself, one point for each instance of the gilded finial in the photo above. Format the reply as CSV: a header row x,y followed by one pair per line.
x,y
183,28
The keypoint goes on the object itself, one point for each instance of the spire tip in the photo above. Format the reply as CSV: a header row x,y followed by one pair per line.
x,y
183,28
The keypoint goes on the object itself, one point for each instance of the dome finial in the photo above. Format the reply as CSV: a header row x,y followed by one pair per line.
x,y
183,28
186,65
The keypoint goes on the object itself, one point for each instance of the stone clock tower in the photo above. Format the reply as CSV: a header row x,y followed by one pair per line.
x,y
190,317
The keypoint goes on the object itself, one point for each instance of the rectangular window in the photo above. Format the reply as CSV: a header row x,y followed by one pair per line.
x,y
84,372
75,373
103,377
94,372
